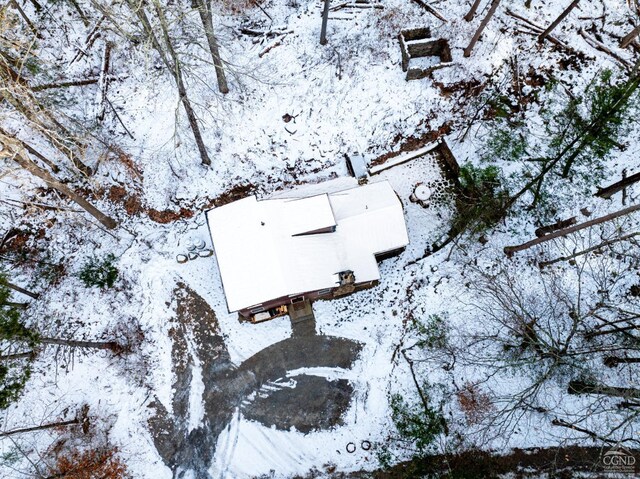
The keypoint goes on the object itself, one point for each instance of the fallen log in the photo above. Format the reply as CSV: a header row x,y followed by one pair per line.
x,y
40,428
361,5
608,191
34,152
264,34
271,46
603,48
325,20
262,8
627,39
115,112
557,234
90,39
431,10
537,29
543,230
65,84
103,82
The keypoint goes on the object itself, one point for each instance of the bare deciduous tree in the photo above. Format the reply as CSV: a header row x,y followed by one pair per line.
x,y
325,19
204,9
170,59
472,11
483,24
14,150
552,331
557,21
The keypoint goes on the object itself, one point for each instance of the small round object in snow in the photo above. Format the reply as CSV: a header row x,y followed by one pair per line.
x,y
422,192
200,244
205,253
193,255
182,258
351,448
365,445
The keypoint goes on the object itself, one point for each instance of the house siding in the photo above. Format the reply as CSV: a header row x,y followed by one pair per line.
x,y
327,293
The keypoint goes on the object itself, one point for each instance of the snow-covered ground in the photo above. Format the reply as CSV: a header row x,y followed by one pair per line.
x,y
350,95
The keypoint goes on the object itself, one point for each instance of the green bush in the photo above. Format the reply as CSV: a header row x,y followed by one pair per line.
x,y
506,142
14,373
99,272
12,381
417,423
433,332
607,103
481,199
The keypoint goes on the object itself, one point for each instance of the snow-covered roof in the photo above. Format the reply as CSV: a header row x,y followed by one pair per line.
x,y
358,165
267,249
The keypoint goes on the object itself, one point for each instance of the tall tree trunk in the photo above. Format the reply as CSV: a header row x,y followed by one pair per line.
x,y
626,41
24,16
36,5
173,66
40,428
78,9
18,155
430,9
325,20
204,9
557,21
19,95
11,357
615,329
563,423
581,387
578,143
483,24
91,37
34,152
17,288
472,12
182,90
109,345
148,29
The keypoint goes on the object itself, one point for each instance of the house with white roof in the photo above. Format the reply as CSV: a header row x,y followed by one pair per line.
x,y
275,252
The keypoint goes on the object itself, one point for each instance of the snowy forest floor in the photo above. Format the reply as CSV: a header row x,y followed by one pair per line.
x,y
202,393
